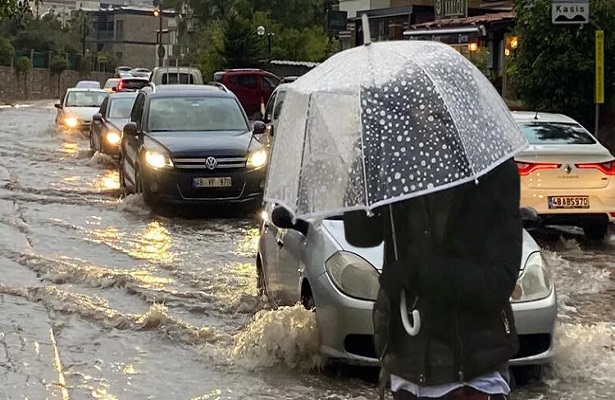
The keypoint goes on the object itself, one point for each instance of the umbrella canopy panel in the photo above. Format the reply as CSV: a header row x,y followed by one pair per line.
x,y
385,122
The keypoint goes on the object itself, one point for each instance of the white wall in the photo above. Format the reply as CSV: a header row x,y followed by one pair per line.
x,y
352,6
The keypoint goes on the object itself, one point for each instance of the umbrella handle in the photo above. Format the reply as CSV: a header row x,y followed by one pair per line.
x,y
411,329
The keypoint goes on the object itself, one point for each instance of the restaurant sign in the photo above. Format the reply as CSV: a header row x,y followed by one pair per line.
x,y
449,9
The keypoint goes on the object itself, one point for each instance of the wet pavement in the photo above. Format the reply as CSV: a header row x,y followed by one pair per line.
x,y
103,299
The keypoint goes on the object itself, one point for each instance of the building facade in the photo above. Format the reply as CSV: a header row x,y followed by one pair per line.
x,y
132,35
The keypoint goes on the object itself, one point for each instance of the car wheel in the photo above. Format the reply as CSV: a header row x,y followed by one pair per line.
x,y
123,187
261,283
143,189
596,229
307,298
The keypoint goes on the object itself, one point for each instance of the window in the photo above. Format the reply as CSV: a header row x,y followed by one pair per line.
x,y
137,110
278,104
269,108
103,106
85,98
556,133
172,78
195,114
218,76
247,81
270,82
121,107
119,27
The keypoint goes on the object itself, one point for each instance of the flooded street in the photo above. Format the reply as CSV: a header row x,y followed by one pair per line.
x,y
103,299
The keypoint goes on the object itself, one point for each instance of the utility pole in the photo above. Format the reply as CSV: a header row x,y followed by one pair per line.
x,y
160,48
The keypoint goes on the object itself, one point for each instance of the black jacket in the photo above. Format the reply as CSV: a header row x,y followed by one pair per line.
x,y
459,253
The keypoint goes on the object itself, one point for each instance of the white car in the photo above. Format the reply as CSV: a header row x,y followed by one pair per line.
x,y
78,106
311,262
567,176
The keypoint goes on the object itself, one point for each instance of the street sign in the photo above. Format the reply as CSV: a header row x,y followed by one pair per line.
x,y
448,9
599,67
570,12
161,51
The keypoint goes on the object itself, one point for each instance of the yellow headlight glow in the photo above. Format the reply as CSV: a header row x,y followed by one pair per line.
x,y
71,122
157,160
113,138
257,159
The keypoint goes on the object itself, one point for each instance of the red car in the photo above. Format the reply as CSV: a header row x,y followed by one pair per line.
x,y
253,87
131,84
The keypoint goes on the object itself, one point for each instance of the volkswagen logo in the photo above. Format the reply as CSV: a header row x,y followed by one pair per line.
x,y
568,169
211,163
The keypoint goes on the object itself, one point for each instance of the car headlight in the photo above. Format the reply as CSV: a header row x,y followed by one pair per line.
x,y
71,122
257,159
353,276
534,282
157,160
113,137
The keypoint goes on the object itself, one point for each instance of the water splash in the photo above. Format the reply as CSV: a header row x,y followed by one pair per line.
x,y
135,204
287,336
102,159
585,352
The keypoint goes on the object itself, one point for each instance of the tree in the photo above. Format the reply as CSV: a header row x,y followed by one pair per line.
x,y
553,67
7,52
240,43
22,68
58,65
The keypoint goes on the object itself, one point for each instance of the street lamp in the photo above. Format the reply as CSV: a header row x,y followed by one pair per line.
x,y
261,31
158,14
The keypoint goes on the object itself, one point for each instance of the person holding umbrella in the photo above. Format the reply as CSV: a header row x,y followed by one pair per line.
x,y
413,146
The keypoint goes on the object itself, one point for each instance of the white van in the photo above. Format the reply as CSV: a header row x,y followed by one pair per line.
x,y
176,75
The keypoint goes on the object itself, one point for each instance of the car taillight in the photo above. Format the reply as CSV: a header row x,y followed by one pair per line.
x,y
120,86
607,168
527,168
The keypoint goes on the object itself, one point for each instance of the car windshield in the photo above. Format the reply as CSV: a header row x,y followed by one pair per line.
x,y
121,107
85,99
556,133
181,114
111,83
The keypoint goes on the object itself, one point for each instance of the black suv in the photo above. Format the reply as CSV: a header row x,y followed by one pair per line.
x,y
192,144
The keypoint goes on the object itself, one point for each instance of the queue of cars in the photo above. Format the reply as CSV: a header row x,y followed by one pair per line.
x,y
194,143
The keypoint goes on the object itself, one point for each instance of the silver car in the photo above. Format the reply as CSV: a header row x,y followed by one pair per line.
x,y
312,263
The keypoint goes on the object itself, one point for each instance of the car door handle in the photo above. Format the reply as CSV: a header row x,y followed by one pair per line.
x,y
280,242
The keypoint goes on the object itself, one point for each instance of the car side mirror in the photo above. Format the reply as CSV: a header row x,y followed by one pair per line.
x,y
130,129
531,219
259,128
58,106
282,218
97,117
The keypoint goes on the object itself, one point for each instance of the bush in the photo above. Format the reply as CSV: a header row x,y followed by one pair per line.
x,y
7,52
23,65
58,64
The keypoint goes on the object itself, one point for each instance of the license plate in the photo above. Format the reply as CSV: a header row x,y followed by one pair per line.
x,y
568,202
212,182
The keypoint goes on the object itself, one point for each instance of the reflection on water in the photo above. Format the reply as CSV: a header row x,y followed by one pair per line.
x,y
110,180
70,148
154,244
248,242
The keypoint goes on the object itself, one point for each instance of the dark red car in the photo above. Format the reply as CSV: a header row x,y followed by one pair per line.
x,y
253,87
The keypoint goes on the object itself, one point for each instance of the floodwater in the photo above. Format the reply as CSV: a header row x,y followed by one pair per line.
x,y
103,299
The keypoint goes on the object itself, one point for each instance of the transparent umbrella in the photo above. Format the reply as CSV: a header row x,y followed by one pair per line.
x,y
386,122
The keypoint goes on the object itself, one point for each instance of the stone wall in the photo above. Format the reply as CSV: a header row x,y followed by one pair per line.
x,y
40,84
